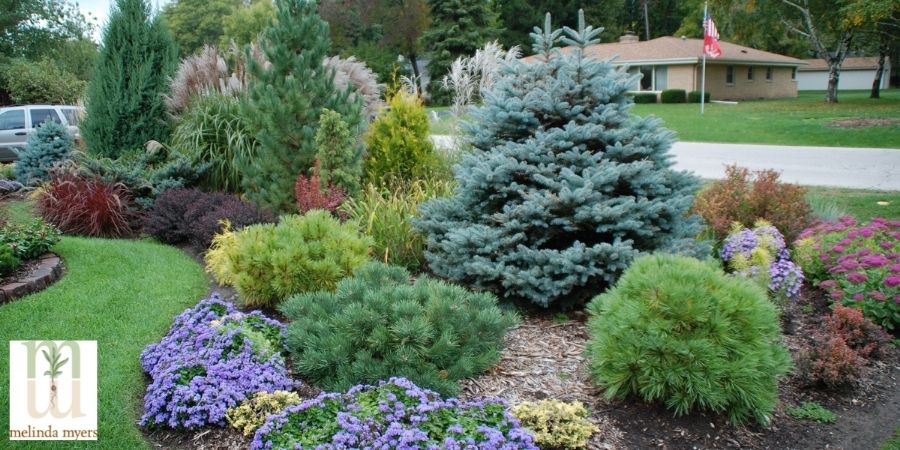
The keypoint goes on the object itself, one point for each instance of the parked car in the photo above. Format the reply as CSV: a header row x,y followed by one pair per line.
x,y
17,122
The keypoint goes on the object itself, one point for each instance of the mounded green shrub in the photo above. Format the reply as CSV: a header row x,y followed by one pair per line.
x,y
268,263
339,154
556,424
694,97
673,96
680,331
51,144
645,97
377,325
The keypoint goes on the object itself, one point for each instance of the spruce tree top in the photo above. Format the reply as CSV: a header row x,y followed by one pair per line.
x,y
564,187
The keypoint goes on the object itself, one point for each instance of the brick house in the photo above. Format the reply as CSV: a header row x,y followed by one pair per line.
x,y
674,63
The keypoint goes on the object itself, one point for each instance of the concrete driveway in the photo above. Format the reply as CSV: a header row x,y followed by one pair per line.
x,y
860,168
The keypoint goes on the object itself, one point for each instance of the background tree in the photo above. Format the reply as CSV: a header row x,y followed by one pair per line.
x,y
245,23
405,21
459,27
33,28
285,101
879,23
125,106
198,22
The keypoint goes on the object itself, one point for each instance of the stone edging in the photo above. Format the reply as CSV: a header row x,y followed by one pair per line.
x,y
47,272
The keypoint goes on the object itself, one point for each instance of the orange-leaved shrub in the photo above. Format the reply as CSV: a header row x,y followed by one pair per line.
x,y
745,197
861,334
829,362
311,193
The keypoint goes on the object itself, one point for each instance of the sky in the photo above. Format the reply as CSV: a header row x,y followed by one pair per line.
x,y
100,10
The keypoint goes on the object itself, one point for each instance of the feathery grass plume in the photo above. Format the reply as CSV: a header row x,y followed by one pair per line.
x,y
350,73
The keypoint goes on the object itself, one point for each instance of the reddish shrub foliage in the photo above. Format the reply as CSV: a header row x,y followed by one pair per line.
x,y
746,197
861,334
829,362
310,195
193,216
87,206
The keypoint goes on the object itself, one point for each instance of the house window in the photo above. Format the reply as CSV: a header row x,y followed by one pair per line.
x,y
794,73
660,78
750,73
729,75
768,74
646,78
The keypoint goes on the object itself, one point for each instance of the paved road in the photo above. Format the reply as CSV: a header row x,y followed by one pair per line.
x,y
861,168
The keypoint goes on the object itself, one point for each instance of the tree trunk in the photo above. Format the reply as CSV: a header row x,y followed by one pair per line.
x,y
879,73
834,74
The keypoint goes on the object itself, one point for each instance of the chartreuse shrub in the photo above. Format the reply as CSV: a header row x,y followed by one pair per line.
x,y
267,263
680,331
386,213
398,143
394,414
811,411
252,413
51,144
554,201
556,424
8,171
761,255
857,264
376,325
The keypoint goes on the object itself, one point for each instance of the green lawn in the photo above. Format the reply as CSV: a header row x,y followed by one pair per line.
x,y
798,121
861,204
123,294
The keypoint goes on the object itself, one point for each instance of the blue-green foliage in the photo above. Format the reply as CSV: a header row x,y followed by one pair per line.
x,y
50,144
564,187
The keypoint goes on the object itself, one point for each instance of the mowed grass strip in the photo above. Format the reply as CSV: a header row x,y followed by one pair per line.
x,y
121,293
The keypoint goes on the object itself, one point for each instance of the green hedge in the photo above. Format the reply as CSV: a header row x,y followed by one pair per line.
x,y
673,96
694,97
645,97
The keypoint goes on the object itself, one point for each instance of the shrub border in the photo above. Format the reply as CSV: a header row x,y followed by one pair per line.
x,y
48,271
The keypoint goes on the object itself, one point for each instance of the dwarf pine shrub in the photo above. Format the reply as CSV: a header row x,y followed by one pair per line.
x,y
376,325
563,187
267,263
680,331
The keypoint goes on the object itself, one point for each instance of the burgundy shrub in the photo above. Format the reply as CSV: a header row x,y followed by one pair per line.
x,y
87,206
310,195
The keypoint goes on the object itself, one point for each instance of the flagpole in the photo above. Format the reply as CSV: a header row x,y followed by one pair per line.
x,y
703,71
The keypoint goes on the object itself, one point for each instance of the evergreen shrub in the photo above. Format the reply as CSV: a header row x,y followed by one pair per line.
x,y
556,424
386,214
87,206
7,171
48,146
285,100
376,325
339,154
694,97
395,414
560,191
399,144
682,332
124,105
745,197
645,97
268,263
673,96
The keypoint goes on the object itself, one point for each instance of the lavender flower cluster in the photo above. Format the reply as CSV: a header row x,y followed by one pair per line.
x,y
213,358
396,414
761,253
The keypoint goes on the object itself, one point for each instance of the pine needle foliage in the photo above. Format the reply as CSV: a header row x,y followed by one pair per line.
x,y
680,331
286,98
125,105
563,187
377,325
339,154
48,146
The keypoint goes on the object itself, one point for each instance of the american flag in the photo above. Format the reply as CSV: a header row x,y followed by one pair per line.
x,y
711,39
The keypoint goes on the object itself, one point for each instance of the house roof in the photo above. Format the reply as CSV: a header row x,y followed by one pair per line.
x,y
853,63
673,50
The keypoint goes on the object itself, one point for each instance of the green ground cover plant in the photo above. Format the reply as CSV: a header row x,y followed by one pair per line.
x,y
122,294
812,411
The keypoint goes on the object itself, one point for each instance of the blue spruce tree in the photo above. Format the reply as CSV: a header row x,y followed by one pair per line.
x,y
50,145
564,188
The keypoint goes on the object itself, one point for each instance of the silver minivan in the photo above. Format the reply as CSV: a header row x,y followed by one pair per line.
x,y
17,122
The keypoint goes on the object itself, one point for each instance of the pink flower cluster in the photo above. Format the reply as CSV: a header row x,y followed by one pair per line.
x,y
859,265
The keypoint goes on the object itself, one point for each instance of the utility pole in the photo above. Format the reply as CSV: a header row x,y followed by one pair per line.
x,y
646,20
